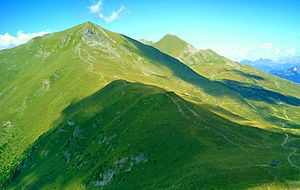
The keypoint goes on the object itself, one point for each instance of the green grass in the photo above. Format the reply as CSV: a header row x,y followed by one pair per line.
x,y
175,49
180,145
269,95
41,81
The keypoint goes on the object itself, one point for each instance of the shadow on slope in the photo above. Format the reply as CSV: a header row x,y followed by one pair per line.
x,y
129,131
181,70
257,93
251,76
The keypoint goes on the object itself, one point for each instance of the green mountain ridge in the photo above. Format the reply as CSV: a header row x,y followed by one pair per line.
x,y
47,81
243,79
71,65
216,67
115,136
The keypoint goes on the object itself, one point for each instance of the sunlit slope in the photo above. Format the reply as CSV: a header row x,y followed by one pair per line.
x,y
135,136
41,78
276,99
214,66
178,45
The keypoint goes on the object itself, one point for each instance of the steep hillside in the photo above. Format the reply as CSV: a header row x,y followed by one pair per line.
x,y
41,78
177,47
264,92
129,131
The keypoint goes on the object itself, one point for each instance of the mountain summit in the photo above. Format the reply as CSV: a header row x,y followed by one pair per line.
x,y
89,108
171,45
176,47
42,77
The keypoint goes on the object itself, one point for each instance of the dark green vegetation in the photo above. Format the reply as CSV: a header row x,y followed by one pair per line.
x,y
116,136
180,126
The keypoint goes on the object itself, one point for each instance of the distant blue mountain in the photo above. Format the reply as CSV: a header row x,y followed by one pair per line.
x,y
287,67
292,74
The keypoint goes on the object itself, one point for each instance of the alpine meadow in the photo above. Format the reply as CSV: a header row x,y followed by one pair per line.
x,y
89,108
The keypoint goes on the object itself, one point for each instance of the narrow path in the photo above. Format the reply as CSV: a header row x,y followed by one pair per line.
x,y
178,106
180,109
249,104
289,158
89,59
294,150
212,77
285,139
277,85
285,114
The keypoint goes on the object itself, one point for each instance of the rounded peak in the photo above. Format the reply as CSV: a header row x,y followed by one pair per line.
x,y
88,24
172,37
171,44
172,40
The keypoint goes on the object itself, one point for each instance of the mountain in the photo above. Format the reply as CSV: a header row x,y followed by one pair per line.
x,y
41,78
252,84
284,68
292,74
176,47
53,87
116,136
263,64
290,59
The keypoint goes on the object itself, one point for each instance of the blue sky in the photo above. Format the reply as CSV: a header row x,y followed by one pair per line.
x,y
235,28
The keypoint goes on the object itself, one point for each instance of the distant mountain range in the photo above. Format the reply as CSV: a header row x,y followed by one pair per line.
x,y
287,68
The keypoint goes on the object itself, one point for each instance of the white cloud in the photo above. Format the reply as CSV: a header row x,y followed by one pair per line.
x,y
244,52
7,40
266,50
277,51
114,15
97,9
291,52
266,45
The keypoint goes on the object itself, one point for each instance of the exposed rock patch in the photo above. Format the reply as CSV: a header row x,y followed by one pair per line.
x,y
46,84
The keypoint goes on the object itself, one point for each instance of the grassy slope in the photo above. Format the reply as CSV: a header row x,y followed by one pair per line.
x,y
266,93
41,78
129,131
175,49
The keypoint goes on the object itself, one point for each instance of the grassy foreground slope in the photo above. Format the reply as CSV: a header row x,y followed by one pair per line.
x,y
135,136
267,94
41,78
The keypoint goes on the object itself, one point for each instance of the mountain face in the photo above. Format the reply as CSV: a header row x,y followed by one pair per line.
x,y
41,78
91,108
185,52
177,47
286,68
255,86
263,64
116,136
